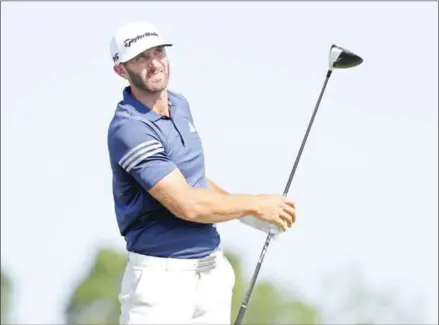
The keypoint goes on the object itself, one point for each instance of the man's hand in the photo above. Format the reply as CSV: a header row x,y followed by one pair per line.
x,y
274,213
261,225
276,209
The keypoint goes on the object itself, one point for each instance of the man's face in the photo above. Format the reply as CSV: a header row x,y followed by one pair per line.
x,y
149,71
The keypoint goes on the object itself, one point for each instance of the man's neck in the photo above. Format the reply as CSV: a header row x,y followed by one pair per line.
x,y
158,102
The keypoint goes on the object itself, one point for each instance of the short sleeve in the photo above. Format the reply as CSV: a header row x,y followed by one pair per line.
x,y
136,148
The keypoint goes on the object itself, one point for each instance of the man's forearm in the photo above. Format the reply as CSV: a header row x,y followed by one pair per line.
x,y
220,206
214,206
203,205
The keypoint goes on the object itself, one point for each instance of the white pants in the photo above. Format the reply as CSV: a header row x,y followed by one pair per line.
x,y
176,291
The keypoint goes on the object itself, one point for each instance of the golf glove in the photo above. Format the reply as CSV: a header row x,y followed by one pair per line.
x,y
261,225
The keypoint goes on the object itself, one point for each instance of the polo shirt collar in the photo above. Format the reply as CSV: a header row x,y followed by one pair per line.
x,y
129,99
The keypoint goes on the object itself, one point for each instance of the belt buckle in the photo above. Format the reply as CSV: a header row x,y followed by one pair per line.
x,y
206,264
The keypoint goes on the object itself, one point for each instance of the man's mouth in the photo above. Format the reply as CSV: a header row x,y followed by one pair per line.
x,y
155,75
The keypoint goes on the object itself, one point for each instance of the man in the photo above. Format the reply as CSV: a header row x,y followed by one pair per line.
x,y
165,205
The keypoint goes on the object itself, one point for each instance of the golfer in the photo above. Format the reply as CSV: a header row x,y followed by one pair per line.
x,y
166,207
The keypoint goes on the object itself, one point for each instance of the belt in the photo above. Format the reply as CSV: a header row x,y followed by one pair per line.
x,y
178,264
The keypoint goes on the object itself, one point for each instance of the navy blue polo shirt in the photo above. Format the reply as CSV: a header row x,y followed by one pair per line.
x,y
144,147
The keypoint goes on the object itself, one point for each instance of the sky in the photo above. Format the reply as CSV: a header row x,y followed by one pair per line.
x,y
366,187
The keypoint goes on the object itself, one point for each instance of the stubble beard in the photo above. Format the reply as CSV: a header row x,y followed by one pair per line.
x,y
139,82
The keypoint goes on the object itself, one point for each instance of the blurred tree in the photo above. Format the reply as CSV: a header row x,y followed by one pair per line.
x,y
268,304
6,291
95,299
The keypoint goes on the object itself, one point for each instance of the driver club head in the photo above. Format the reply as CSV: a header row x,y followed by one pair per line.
x,y
341,58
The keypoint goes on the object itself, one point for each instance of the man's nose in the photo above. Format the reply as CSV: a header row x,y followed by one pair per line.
x,y
154,64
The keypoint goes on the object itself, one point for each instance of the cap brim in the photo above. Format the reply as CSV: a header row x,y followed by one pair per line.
x,y
158,44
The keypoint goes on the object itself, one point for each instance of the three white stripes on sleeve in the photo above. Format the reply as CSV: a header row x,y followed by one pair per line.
x,y
140,153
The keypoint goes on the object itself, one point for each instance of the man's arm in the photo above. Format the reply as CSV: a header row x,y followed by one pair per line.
x,y
140,153
248,220
201,205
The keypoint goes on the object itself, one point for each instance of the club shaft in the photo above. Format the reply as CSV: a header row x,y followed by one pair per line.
x,y
302,146
243,308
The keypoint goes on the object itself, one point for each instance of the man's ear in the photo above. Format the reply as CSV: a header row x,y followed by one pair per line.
x,y
120,70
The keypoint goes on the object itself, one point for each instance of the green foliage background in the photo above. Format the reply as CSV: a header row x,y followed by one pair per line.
x,y
94,299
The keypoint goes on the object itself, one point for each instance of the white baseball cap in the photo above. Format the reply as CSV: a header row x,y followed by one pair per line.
x,y
132,39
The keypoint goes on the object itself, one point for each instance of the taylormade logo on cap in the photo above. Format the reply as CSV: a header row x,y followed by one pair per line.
x,y
132,39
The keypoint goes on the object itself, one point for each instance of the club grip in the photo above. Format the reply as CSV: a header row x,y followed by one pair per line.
x,y
241,314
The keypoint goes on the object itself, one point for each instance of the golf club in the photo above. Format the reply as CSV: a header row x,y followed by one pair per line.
x,y
339,58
